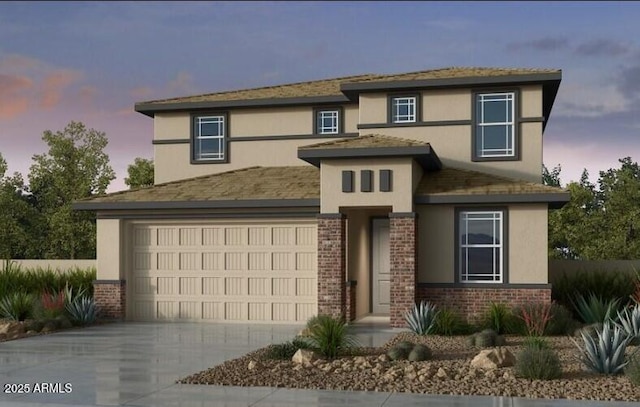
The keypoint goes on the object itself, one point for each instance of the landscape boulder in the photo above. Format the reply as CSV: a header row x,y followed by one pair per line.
x,y
493,359
304,357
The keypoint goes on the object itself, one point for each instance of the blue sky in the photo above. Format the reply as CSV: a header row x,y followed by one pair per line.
x,y
91,61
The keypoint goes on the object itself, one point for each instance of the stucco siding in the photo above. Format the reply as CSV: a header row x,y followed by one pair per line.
x,y
528,260
109,250
332,197
436,252
446,104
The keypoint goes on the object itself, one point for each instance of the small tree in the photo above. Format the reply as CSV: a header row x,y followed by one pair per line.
x,y
140,173
75,167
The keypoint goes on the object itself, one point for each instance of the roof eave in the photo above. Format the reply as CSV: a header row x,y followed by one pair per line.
x,y
213,204
423,154
151,108
555,200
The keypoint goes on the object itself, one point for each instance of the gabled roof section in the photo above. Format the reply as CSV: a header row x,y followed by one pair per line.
x,y
246,188
346,89
371,146
458,186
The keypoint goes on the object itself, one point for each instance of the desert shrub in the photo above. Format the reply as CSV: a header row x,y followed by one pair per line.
x,y
499,318
594,308
604,284
485,339
561,322
448,322
629,321
421,318
82,310
632,370
536,342
537,362
51,305
535,316
605,353
328,336
38,280
419,353
286,350
17,306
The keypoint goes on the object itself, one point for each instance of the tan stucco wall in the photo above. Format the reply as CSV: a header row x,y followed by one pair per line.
x,y
173,161
110,256
527,245
528,260
531,104
332,197
436,251
446,104
171,126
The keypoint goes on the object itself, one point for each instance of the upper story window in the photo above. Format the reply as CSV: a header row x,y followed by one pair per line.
x,y
209,137
480,246
404,109
495,132
327,121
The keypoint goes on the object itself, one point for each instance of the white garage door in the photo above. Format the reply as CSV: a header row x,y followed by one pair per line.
x,y
231,271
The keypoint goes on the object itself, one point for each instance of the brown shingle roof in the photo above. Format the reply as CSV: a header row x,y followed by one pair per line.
x,y
300,182
365,141
331,87
455,181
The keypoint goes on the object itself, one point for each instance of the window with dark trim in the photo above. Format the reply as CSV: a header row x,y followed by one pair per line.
x,y
495,125
328,121
481,246
403,109
209,137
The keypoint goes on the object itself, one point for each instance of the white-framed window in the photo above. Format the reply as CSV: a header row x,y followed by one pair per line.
x,y
328,121
480,246
403,109
495,125
209,138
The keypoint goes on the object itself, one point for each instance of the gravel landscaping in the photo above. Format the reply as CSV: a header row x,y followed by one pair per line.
x,y
448,372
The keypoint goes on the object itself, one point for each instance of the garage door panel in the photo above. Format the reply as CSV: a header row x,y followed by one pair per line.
x,y
263,272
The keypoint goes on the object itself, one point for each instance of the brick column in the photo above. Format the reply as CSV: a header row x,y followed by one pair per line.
x,y
403,242
110,297
331,265
350,300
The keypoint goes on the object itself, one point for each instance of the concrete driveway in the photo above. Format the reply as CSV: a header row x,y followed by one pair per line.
x,y
137,364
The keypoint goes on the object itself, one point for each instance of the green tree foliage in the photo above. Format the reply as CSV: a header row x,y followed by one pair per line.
x,y
75,167
551,178
140,173
599,223
18,217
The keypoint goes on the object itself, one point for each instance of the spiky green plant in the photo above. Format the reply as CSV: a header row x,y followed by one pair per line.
x,y
328,336
498,317
594,308
449,322
82,310
538,363
422,318
286,350
629,321
536,342
17,306
606,353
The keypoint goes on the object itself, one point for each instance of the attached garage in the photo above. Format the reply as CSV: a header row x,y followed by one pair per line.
x,y
223,271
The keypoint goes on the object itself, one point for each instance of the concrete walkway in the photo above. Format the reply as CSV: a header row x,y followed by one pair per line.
x,y
137,364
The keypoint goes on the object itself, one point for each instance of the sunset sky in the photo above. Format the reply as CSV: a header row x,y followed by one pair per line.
x,y
91,61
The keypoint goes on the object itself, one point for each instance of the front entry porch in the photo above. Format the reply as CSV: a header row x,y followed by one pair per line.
x,y
367,263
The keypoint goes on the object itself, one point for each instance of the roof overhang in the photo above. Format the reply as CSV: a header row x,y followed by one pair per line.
x,y
555,200
217,204
150,109
422,154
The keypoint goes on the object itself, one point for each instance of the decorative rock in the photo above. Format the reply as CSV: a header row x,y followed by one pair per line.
x,y
508,375
493,358
442,374
304,357
253,365
358,360
12,329
383,358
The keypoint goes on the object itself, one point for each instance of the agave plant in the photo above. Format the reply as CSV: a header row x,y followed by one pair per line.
x,y
595,309
606,353
422,318
629,321
17,306
83,310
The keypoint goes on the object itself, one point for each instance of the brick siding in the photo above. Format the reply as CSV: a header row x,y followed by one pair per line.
x,y
331,265
350,292
110,297
471,303
403,238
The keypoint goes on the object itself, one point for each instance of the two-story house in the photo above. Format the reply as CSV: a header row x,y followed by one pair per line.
x,y
350,196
